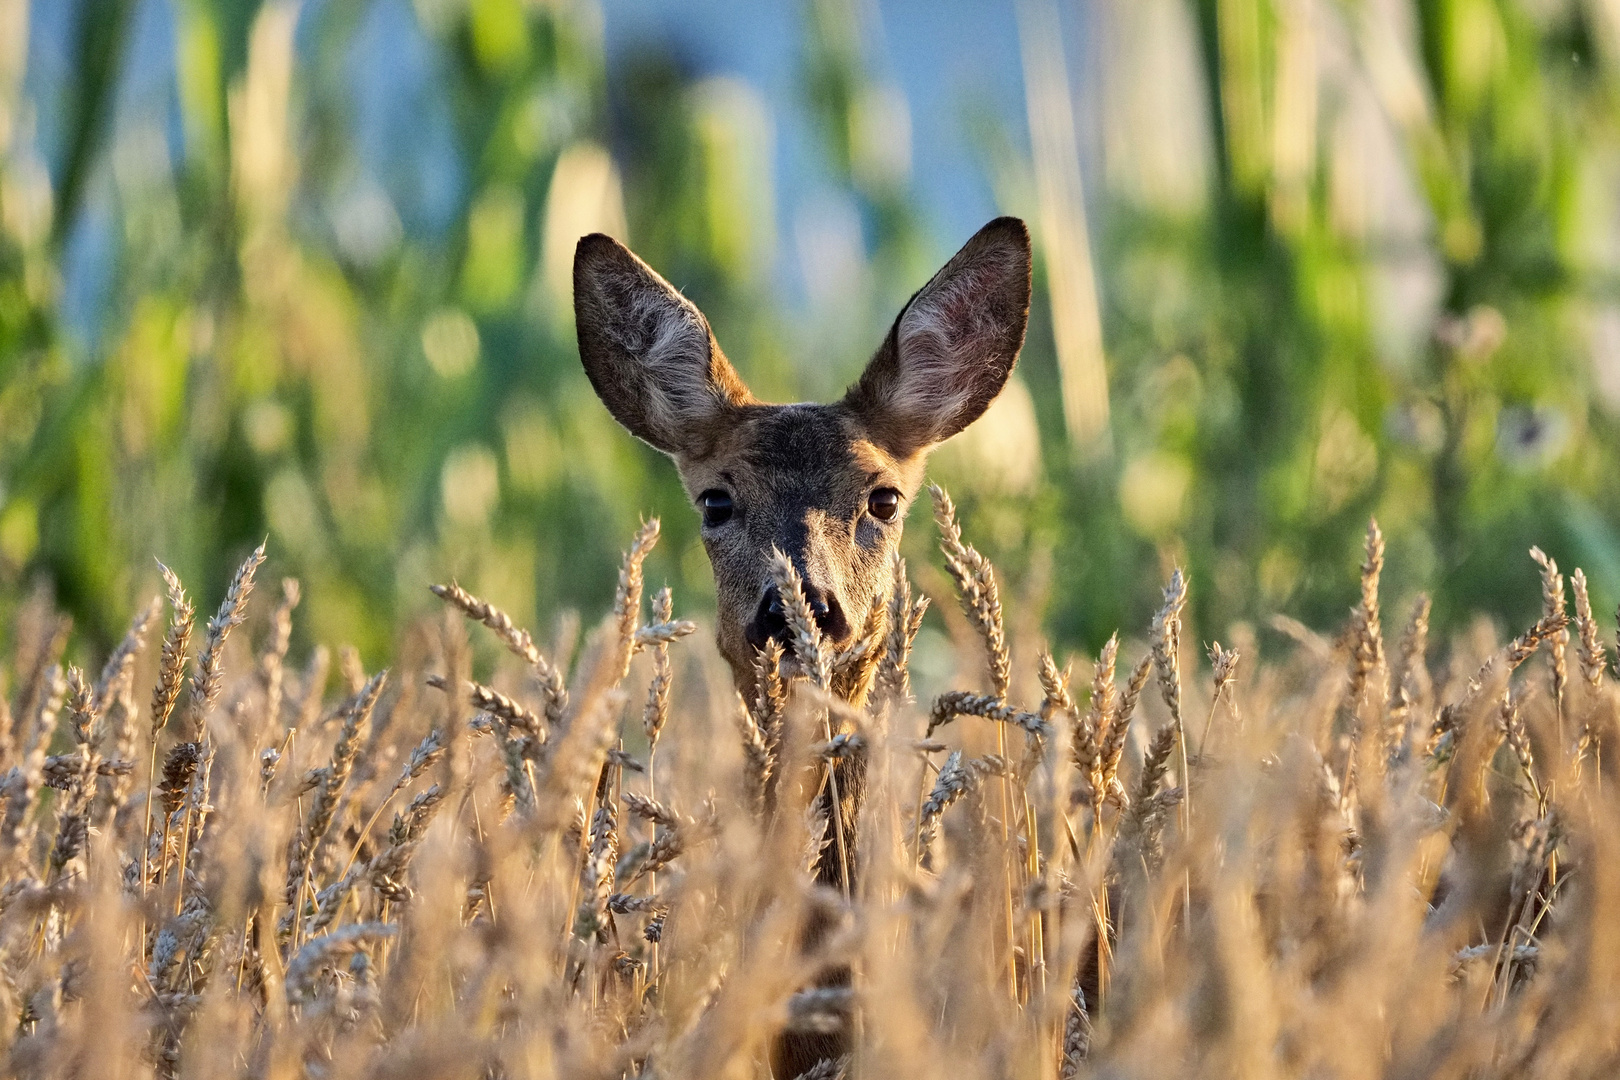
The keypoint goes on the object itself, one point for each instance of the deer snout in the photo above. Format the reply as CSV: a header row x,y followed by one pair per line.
x,y
770,620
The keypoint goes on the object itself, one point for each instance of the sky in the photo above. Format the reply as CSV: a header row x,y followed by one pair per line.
x,y
947,59
945,56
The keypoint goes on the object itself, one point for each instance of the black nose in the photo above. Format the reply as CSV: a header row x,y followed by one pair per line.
x,y
770,621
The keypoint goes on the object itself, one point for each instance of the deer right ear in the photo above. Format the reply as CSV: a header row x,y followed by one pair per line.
x,y
648,351
953,346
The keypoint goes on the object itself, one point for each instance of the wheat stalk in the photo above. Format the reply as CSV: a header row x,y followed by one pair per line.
x,y
679,931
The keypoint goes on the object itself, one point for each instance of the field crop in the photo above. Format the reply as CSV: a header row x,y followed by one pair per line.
x,y
1331,864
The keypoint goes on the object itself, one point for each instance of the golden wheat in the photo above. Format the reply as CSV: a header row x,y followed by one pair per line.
x,y
594,870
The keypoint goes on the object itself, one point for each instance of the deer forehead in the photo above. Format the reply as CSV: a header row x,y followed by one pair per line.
x,y
799,457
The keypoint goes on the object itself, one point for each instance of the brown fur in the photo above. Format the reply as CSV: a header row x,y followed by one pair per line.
x,y
800,475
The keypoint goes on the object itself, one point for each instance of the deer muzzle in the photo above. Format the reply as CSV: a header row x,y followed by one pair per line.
x,y
770,618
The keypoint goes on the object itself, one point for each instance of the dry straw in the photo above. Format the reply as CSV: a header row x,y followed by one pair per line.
x,y
552,898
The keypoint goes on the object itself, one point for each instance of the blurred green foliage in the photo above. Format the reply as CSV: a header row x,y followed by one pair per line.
x,y
396,405
1252,365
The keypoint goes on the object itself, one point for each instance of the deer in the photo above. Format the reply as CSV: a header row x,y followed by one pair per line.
x,y
825,485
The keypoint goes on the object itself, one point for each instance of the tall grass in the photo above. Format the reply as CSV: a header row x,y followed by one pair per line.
x,y
1330,864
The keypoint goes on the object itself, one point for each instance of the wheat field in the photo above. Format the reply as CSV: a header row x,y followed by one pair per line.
x,y
1334,864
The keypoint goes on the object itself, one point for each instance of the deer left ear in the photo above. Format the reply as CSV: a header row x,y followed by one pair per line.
x,y
953,346
648,352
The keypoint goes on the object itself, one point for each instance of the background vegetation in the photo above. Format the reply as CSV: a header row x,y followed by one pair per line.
x,y
1300,261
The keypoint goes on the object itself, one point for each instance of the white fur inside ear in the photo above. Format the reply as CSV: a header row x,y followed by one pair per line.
x,y
663,332
948,337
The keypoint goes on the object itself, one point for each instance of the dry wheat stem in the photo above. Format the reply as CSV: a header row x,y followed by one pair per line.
x,y
1553,606
517,641
1410,686
171,671
809,651
975,581
272,660
656,712
627,599
979,594
1593,657
208,679
1367,643
445,936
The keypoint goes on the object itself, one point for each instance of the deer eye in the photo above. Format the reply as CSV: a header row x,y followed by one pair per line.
x,y
716,507
883,504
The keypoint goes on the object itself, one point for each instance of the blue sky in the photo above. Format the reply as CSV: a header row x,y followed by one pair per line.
x,y
945,56
948,58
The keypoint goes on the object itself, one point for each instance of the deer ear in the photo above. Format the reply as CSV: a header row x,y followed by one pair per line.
x,y
648,351
953,346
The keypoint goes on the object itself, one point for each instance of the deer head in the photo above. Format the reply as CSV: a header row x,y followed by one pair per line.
x,y
828,485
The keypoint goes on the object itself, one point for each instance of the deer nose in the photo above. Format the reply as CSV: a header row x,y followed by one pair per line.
x,y
770,620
